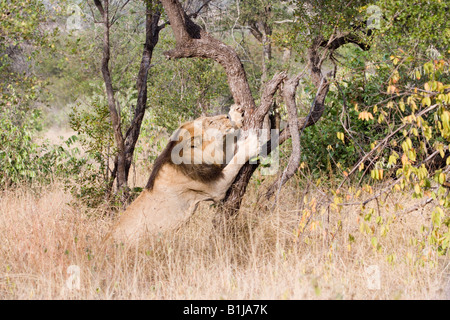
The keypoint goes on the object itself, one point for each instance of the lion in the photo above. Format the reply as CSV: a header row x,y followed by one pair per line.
x,y
200,162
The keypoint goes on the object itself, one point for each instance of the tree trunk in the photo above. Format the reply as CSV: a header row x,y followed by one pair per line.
x,y
126,145
267,51
152,30
233,199
121,177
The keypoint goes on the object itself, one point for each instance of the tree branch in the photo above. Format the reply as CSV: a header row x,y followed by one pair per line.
x,y
195,14
99,6
323,85
192,41
114,17
153,14
268,94
114,115
289,91
345,39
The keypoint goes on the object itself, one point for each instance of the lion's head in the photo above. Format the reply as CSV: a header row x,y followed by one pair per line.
x,y
236,115
200,149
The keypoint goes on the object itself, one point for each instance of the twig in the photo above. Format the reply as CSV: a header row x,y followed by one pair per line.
x,y
381,192
414,208
194,14
114,19
191,15
383,142
344,109
288,173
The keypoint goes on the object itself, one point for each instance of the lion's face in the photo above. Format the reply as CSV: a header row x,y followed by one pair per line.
x,y
221,123
207,140
201,148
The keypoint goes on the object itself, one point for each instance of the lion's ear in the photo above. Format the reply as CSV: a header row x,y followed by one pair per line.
x,y
237,108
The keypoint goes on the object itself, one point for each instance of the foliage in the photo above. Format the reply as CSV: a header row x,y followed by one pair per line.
x,y
25,161
91,180
18,154
402,130
386,119
21,20
425,137
412,25
22,35
318,18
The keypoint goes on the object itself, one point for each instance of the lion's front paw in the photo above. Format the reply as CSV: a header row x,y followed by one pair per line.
x,y
250,145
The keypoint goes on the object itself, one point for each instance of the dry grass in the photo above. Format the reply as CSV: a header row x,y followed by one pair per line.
x,y
42,235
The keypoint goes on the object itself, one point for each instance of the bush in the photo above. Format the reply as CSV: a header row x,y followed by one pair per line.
x,y
23,160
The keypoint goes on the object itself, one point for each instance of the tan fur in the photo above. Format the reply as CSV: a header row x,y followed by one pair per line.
x,y
174,190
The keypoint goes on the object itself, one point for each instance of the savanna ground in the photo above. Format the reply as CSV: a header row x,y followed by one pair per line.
x,y
297,249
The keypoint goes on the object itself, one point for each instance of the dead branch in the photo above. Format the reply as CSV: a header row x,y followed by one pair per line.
x,y
289,90
268,94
